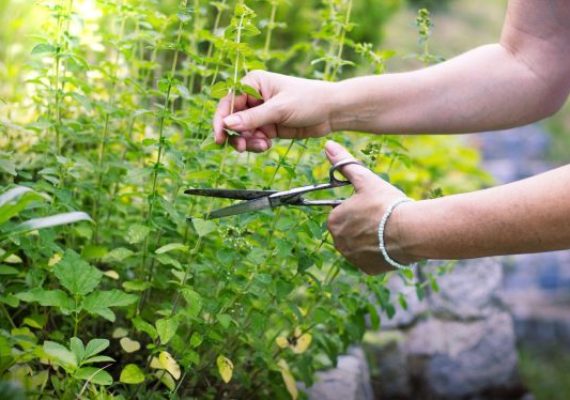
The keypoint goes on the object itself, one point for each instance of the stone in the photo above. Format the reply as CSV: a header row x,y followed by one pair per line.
x,y
389,371
469,291
350,380
459,359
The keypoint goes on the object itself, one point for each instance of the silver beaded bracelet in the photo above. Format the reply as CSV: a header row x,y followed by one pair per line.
x,y
381,228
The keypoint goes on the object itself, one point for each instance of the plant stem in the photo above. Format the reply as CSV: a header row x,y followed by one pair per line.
x,y
270,28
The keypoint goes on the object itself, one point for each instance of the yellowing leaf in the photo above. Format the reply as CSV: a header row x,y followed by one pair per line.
x,y
225,368
129,345
288,379
169,363
154,363
54,259
13,259
166,379
282,342
119,333
132,374
301,342
111,274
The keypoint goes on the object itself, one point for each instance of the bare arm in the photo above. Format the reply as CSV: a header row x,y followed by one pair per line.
x,y
531,215
524,78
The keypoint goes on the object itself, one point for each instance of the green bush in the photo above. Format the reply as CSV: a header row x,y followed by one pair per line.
x,y
111,115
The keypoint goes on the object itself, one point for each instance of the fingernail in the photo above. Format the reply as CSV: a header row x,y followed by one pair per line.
x,y
233,121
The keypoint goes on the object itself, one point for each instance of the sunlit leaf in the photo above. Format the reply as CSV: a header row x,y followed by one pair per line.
x,y
132,374
288,379
169,363
225,368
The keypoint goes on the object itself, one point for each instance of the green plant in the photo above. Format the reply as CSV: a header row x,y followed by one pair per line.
x,y
117,123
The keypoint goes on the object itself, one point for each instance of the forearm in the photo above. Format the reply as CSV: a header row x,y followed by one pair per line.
x,y
532,215
487,88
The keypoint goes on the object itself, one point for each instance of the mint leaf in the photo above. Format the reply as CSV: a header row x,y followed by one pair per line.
x,y
76,275
59,354
94,375
95,346
48,298
100,302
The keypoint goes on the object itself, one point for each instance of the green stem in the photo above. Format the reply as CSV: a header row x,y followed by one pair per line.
x,y
270,28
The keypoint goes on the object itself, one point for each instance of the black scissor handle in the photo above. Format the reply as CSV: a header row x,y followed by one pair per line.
x,y
342,163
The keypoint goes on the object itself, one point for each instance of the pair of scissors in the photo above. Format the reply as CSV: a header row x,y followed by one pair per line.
x,y
256,200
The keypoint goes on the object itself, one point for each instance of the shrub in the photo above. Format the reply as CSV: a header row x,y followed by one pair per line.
x,y
143,302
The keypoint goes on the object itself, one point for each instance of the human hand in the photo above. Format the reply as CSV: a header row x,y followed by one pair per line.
x,y
354,224
292,108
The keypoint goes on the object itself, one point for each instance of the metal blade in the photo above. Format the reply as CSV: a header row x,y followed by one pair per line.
x,y
236,194
241,208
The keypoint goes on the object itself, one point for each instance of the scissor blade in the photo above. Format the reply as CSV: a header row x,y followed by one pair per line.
x,y
236,194
241,208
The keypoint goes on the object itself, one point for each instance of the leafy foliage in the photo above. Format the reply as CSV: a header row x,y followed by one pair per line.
x,y
115,122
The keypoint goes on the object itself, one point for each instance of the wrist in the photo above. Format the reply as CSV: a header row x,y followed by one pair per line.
x,y
400,234
339,111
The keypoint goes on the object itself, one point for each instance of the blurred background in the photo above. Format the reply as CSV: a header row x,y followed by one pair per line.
x,y
536,288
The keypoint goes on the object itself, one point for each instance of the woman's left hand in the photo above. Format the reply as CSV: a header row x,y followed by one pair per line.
x,y
354,224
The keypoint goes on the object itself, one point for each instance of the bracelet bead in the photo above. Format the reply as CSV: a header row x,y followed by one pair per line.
x,y
382,227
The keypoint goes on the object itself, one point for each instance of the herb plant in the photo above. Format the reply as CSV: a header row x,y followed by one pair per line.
x,y
142,301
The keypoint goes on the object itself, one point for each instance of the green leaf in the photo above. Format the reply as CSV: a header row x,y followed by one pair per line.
x,y
143,326
44,48
76,275
132,375
136,286
8,167
100,302
250,90
172,247
48,298
224,320
15,200
203,227
95,346
76,346
219,90
97,359
59,354
94,375
194,301
166,328
137,233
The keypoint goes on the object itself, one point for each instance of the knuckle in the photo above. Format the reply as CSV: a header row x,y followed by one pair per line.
x,y
332,222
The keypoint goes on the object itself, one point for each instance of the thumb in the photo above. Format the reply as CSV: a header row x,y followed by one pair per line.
x,y
358,175
253,118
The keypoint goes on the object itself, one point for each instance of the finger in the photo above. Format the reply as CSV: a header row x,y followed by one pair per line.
x,y
238,143
258,142
360,176
255,117
222,111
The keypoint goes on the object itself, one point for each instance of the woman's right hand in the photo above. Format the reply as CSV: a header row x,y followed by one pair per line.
x,y
292,108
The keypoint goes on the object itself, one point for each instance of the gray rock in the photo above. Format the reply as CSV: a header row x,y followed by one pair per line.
x,y
389,372
469,291
349,381
451,359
